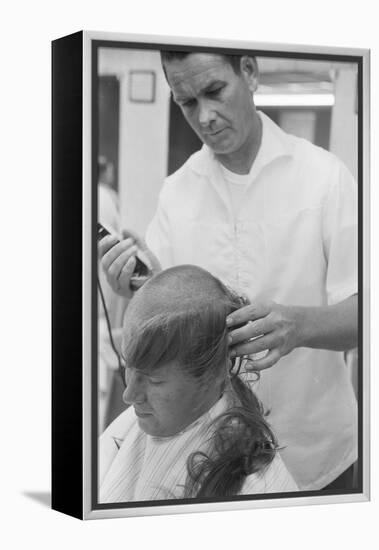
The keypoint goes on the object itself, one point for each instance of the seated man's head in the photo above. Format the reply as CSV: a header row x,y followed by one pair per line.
x,y
176,349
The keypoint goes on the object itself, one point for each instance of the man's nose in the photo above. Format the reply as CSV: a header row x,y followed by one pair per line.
x,y
134,392
206,113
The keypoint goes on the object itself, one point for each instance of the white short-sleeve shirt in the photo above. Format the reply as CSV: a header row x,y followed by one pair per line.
x,y
293,240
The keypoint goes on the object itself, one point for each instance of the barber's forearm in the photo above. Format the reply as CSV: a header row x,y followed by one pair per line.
x,y
331,327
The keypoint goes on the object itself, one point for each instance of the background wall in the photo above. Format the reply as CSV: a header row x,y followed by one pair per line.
x,y
143,135
343,127
28,28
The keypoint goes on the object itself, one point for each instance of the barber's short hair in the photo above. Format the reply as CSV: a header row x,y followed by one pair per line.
x,y
170,55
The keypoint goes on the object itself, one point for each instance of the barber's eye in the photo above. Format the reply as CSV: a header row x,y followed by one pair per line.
x,y
189,103
214,92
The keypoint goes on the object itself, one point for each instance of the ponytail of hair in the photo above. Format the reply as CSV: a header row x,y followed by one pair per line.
x,y
242,444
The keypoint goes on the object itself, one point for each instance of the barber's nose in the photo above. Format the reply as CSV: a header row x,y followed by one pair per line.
x,y
134,391
206,114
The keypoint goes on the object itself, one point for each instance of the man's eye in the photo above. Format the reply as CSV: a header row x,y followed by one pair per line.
x,y
188,103
155,382
214,92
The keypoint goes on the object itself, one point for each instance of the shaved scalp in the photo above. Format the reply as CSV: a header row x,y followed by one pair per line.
x,y
178,289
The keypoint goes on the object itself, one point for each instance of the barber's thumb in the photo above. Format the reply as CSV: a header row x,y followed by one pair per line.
x,y
131,264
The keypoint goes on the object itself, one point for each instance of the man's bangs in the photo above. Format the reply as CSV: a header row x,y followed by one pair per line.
x,y
151,344
195,339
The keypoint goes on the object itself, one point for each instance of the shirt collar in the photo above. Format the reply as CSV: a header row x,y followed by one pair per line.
x,y
275,144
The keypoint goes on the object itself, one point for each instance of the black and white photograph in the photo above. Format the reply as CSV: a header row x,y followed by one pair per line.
x,y
189,223
228,364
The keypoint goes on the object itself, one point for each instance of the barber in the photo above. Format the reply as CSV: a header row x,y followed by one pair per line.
x,y
274,217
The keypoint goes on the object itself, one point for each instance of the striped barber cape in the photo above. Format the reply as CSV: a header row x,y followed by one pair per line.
x,y
134,466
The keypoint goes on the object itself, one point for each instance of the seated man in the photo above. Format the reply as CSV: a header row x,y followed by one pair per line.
x,y
195,428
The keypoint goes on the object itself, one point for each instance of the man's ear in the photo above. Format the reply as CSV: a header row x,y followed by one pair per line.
x,y
214,385
249,70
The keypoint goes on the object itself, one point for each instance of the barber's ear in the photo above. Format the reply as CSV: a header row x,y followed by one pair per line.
x,y
249,70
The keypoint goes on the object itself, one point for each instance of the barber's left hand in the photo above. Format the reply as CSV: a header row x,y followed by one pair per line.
x,y
274,327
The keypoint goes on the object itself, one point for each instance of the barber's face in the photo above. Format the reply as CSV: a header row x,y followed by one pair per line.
x,y
216,101
165,400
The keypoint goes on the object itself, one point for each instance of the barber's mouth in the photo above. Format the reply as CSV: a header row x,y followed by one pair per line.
x,y
216,133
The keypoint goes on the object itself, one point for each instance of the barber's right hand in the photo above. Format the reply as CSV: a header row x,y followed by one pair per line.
x,y
118,260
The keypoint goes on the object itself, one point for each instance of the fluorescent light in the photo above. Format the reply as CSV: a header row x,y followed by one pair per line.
x,y
293,100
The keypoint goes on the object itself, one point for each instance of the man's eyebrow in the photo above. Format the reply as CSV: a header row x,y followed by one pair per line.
x,y
148,373
180,98
207,88
212,84
135,369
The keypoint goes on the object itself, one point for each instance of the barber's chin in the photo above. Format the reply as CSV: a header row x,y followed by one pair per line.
x,y
221,147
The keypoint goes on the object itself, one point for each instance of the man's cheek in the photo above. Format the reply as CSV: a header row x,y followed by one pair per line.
x,y
161,400
172,403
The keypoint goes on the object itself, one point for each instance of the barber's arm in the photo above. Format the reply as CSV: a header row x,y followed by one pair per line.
x,y
280,329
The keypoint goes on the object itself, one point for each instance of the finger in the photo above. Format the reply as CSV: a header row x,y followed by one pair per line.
x,y
252,312
127,272
266,362
115,269
254,346
106,244
250,330
115,251
146,252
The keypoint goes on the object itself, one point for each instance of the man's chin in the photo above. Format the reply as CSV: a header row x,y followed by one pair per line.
x,y
221,147
150,427
146,424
